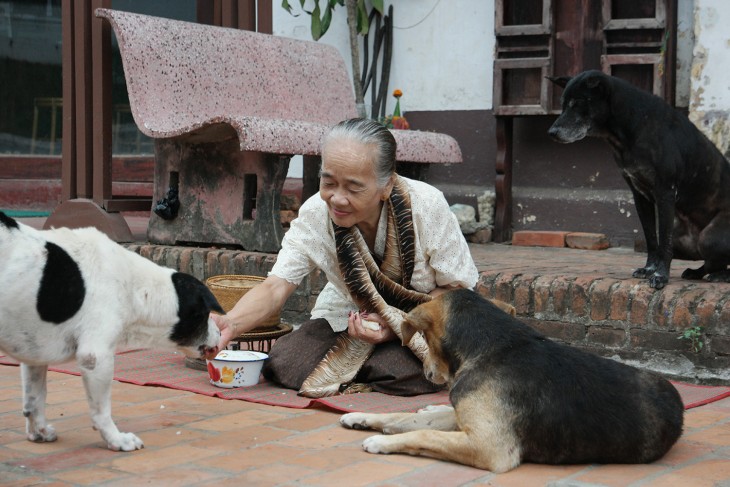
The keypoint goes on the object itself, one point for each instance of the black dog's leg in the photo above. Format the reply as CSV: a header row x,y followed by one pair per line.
x,y
657,221
665,202
646,212
714,245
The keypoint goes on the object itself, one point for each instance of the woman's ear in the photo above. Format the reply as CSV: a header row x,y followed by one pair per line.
x,y
388,188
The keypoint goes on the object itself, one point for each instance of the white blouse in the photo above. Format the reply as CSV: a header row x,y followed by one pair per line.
x,y
442,256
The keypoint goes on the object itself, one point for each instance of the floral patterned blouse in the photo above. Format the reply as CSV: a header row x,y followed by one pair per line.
x,y
442,257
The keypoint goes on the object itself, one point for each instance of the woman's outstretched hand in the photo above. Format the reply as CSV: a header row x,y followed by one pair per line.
x,y
226,328
369,327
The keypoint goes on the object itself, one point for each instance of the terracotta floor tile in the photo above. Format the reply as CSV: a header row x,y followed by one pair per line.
x,y
676,480
533,475
174,435
12,436
308,422
278,474
329,437
442,473
715,435
684,451
617,475
169,477
700,417
93,476
68,440
257,457
26,481
329,459
237,420
148,460
360,474
66,459
14,405
242,438
716,470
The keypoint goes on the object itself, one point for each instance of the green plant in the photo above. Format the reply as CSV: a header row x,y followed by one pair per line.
x,y
358,24
322,16
694,336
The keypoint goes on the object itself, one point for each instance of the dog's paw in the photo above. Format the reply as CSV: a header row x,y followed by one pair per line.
x,y
694,274
658,281
42,435
377,444
720,276
642,272
355,421
125,442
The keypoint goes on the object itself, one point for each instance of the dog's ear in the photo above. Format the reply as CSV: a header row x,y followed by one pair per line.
x,y
407,331
561,81
594,83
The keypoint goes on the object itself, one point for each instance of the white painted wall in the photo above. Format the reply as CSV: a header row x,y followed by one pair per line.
x,y
710,86
442,50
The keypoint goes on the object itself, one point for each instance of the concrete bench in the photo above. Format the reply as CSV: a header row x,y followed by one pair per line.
x,y
227,109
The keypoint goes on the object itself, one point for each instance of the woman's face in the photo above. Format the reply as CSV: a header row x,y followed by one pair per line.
x,y
348,184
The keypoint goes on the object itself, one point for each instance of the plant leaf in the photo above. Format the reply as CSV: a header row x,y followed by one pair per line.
x,y
285,5
378,5
326,19
362,18
316,22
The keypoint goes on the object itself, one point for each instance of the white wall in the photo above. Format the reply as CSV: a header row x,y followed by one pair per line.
x,y
442,50
710,86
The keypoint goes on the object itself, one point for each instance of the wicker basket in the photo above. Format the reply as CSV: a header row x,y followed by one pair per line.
x,y
229,288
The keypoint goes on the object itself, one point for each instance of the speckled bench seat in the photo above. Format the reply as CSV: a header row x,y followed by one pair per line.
x,y
227,109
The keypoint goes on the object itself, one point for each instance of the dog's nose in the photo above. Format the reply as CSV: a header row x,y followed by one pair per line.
x,y
553,132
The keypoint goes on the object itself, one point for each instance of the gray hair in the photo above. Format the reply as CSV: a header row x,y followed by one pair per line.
x,y
369,132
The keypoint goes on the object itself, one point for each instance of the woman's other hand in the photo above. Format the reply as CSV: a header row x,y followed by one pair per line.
x,y
369,327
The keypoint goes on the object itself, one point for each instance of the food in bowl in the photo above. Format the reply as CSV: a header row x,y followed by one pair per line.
x,y
236,368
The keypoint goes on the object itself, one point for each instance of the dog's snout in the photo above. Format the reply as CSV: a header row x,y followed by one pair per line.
x,y
554,133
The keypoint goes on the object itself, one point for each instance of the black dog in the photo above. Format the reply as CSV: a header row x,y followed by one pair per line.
x,y
679,179
519,397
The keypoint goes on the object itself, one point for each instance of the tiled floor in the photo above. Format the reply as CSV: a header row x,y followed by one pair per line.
x,y
198,440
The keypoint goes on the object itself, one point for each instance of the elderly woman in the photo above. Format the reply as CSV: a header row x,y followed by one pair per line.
x,y
385,243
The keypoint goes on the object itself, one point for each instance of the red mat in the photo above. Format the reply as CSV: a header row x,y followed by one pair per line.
x,y
167,369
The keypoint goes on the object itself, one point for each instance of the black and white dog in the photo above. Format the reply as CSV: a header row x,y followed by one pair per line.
x,y
679,179
68,294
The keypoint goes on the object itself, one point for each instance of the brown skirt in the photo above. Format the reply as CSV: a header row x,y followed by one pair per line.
x,y
391,369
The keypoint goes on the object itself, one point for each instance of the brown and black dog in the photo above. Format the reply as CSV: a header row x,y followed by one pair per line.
x,y
519,397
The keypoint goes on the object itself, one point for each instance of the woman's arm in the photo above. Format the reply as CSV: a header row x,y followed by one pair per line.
x,y
253,308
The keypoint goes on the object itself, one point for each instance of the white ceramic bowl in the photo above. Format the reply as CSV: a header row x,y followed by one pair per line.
x,y
236,368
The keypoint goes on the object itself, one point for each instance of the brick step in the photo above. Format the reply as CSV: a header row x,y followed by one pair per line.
x,y
625,318
585,298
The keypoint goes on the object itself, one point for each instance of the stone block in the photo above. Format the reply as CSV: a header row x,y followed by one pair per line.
x,y
481,236
586,241
537,238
